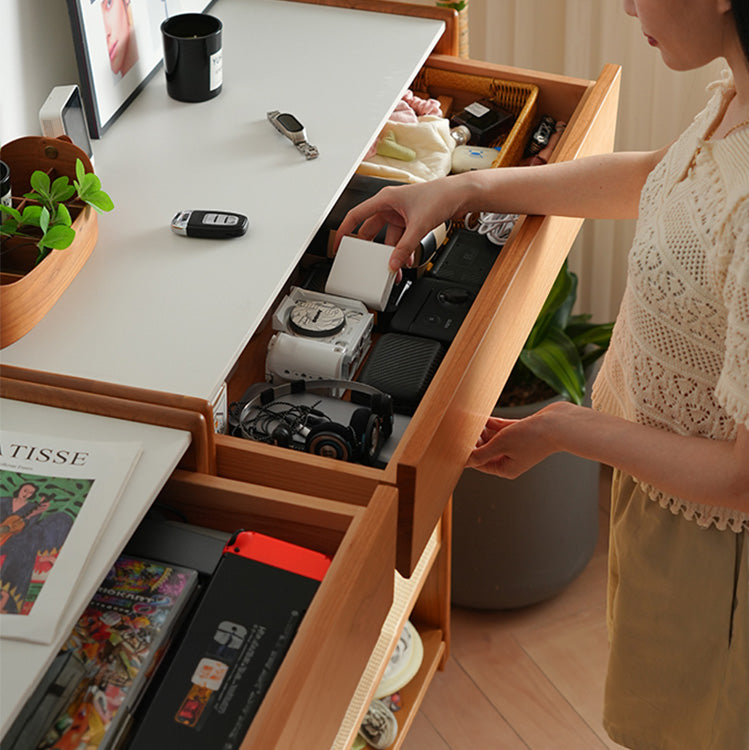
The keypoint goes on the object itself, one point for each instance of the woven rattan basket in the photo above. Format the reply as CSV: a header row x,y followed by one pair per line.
x,y
464,88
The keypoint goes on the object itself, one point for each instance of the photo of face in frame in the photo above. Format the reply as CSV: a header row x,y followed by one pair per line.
x,y
122,41
118,49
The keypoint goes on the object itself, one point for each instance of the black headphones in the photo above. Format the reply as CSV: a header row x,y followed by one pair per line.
x,y
262,415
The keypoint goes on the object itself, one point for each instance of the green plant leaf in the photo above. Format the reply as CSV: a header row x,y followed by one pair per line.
x,y
32,215
556,361
89,184
563,291
61,190
564,309
590,334
88,187
62,217
58,237
40,183
44,220
9,227
591,356
14,212
100,201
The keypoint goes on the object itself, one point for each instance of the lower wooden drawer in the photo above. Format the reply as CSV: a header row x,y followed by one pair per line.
x,y
309,696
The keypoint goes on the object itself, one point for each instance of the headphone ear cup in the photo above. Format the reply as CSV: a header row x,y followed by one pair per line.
x,y
332,440
365,425
382,405
282,436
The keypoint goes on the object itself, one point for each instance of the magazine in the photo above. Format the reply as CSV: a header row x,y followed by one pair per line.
x,y
56,496
117,644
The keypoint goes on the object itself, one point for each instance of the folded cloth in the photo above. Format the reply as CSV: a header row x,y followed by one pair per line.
x,y
429,138
409,109
388,146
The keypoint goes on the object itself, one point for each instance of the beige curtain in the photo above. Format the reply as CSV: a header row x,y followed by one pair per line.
x,y
576,38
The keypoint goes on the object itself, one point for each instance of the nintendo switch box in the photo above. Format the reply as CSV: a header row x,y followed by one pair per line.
x,y
233,646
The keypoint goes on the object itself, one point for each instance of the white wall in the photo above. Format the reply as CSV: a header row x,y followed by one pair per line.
x,y
36,54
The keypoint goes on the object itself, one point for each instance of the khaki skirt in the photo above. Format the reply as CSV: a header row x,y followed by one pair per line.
x,y
678,619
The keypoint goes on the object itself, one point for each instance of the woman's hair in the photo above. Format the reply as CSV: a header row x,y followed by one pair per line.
x,y
740,9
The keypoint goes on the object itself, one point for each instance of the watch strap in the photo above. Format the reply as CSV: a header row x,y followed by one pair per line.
x,y
309,151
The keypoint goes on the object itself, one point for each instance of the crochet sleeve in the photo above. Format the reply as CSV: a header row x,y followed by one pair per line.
x,y
732,389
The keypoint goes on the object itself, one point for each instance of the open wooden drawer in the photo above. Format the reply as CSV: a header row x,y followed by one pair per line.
x,y
310,694
430,457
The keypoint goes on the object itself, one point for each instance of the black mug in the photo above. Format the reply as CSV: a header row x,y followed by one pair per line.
x,y
192,56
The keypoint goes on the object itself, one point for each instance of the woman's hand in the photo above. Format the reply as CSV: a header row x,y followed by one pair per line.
x,y
409,213
509,447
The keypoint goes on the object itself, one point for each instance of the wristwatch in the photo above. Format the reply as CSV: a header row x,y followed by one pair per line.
x,y
294,131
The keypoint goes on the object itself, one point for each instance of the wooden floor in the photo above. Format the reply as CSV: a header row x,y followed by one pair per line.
x,y
530,678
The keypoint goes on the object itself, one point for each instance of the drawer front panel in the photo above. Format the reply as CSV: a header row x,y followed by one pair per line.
x,y
468,383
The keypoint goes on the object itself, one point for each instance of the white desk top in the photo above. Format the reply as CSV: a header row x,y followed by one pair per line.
x,y
155,310
22,664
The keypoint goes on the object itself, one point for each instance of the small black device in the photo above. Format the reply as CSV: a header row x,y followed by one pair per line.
x,y
359,188
466,259
403,366
233,646
486,120
262,414
434,308
216,225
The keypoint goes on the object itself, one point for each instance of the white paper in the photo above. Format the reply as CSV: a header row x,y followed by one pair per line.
x,y
56,496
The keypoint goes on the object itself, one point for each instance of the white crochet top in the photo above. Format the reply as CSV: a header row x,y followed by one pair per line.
x,y
679,354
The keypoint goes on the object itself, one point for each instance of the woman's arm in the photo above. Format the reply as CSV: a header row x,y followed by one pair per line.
x,y
605,186
713,472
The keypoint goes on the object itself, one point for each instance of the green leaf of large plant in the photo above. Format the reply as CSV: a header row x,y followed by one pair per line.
x,y
556,361
561,297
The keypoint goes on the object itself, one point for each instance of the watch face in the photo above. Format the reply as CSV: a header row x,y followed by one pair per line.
x,y
316,318
290,123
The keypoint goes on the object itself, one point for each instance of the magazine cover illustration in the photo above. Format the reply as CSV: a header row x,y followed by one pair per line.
x,y
56,496
36,515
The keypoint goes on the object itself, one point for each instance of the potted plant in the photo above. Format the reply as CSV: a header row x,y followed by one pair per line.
x,y
518,542
559,352
48,231
45,217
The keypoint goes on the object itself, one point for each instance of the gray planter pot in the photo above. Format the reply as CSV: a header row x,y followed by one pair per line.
x,y
518,542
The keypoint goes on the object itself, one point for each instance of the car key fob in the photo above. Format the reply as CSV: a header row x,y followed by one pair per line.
x,y
215,225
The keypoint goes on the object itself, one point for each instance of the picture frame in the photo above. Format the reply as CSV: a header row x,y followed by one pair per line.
x,y
118,49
